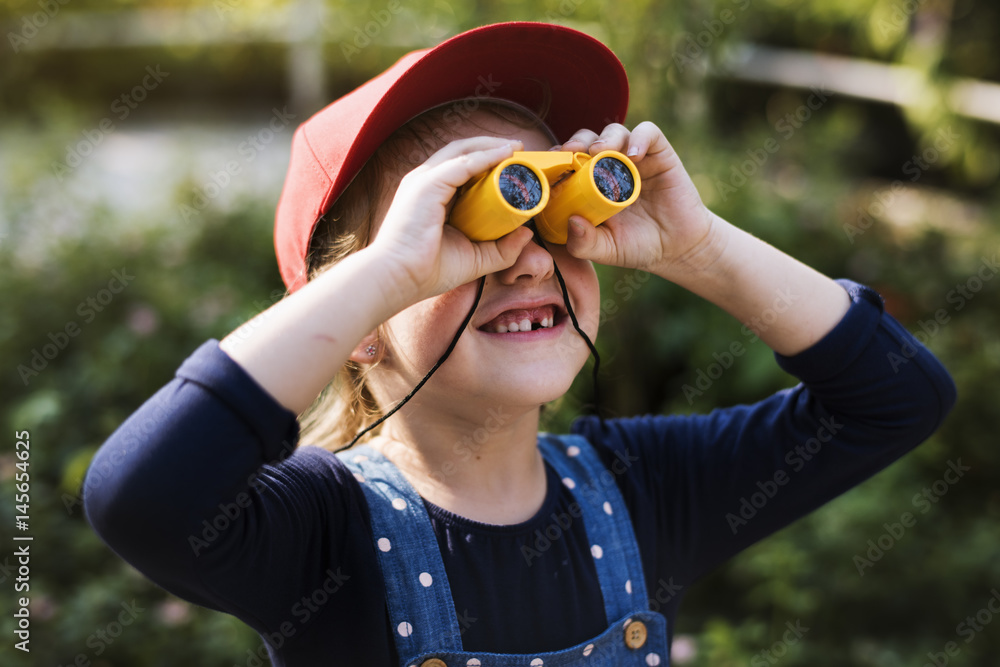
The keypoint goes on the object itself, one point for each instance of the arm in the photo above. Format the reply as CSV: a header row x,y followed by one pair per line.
x,y
191,452
707,486
299,344
789,305
200,491
670,232
183,489
857,404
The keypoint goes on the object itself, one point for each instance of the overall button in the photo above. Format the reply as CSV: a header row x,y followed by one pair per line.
x,y
433,662
635,634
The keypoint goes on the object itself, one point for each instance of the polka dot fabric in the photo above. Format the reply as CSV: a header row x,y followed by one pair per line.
x,y
606,650
416,584
606,519
419,598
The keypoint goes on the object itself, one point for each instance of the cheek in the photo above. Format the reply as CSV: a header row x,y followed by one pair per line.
x,y
425,329
584,290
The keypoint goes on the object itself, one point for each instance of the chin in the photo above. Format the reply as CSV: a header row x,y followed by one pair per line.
x,y
514,389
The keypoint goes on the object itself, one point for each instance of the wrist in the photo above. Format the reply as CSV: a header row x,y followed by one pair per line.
x,y
389,288
705,261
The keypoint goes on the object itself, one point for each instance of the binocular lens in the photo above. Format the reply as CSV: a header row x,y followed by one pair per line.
x,y
613,179
520,187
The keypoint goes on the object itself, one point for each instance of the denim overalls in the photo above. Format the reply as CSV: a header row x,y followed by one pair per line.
x,y
421,611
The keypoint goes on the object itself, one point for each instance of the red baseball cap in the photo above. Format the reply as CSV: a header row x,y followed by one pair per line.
x,y
514,61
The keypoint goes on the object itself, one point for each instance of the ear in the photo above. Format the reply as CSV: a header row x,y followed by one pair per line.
x,y
361,353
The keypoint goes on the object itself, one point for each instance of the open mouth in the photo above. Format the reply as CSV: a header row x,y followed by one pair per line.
x,y
521,320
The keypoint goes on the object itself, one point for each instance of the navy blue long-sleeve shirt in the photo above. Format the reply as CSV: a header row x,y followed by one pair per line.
x,y
204,490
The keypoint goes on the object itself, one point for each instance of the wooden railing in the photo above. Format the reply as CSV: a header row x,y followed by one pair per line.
x,y
304,27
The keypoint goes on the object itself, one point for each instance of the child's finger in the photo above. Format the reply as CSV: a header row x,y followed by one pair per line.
x,y
456,171
580,141
469,146
613,138
501,254
584,241
646,139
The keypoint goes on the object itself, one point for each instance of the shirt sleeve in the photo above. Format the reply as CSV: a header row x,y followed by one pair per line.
x,y
203,491
704,487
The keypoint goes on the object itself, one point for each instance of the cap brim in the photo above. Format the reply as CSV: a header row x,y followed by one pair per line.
x,y
581,80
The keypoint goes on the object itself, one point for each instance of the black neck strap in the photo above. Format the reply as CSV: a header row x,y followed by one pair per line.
x,y
465,323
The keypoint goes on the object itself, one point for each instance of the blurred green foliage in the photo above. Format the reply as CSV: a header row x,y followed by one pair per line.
x,y
201,278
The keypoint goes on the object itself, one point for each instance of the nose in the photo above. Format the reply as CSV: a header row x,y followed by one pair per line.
x,y
533,265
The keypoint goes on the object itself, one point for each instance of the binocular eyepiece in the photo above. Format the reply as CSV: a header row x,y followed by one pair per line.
x,y
548,186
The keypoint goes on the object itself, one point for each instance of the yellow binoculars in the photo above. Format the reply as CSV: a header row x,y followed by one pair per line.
x,y
549,186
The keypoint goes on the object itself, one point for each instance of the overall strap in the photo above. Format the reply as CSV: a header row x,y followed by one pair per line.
x,y
417,592
606,519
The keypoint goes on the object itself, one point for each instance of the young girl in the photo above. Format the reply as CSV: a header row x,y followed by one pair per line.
x,y
459,535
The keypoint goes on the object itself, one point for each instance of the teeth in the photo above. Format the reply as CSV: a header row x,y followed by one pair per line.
x,y
524,325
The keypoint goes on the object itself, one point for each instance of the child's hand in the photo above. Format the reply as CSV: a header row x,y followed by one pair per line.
x,y
668,230
418,248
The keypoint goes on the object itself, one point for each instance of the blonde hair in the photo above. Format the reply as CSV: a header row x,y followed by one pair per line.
x,y
346,406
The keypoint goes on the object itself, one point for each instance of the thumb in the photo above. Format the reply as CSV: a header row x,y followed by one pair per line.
x,y
501,254
585,241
